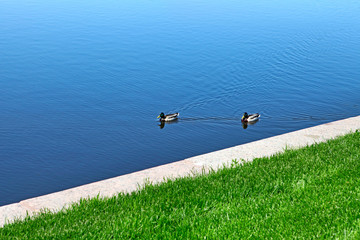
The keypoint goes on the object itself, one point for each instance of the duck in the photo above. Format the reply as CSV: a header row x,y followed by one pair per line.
x,y
168,117
250,118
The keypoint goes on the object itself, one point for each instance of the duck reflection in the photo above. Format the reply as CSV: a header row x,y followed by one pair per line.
x,y
245,124
163,123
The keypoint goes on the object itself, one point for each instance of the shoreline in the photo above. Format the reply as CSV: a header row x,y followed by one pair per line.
x,y
213,160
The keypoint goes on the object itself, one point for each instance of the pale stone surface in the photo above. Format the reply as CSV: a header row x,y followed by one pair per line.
x,y
131,182
11,212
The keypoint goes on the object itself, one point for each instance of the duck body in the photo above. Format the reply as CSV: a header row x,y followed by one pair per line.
x,y
168,117
250,117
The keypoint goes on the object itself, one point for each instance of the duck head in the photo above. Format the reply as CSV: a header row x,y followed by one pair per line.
x,y
162,115
245,116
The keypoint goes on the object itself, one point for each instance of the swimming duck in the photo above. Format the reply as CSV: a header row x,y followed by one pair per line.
x,y
168,117
250,118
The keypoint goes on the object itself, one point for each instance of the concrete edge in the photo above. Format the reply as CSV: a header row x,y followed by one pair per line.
x,y
133,181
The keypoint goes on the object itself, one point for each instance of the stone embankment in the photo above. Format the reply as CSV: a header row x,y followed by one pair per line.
x,y
131,182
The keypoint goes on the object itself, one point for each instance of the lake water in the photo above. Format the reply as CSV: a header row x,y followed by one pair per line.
x,y
82,82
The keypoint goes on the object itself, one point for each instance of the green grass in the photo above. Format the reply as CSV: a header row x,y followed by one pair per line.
x,y
310,193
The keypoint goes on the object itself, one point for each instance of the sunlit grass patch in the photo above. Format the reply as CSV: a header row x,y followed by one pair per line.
x,y
312,192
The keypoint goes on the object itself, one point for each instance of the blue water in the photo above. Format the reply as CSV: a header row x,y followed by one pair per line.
x,y
82,82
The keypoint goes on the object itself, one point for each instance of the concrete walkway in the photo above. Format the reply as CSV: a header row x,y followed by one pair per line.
x,y
130,182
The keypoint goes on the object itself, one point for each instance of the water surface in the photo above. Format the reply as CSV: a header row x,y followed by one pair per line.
x,y
81,83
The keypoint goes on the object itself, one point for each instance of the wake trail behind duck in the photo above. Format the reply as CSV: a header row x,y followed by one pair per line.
x,y
193,119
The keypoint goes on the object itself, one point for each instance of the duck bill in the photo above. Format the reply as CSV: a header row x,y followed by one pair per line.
x,y
158,116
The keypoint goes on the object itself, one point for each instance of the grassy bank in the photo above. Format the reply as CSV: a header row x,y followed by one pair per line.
x,y
313,192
